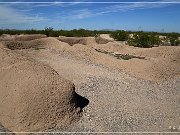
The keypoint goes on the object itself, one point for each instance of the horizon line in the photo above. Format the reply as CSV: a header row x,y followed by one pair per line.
x,y
110,30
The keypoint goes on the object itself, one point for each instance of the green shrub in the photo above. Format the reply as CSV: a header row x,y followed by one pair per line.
x,y
120,35
173,38
177,42
144,40
48,31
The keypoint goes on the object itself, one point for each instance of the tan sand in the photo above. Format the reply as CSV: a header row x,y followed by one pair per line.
x,y
119,102
106,36
160,63
33,97
22,37
83,40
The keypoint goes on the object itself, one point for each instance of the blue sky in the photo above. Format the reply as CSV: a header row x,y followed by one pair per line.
x,y
127,16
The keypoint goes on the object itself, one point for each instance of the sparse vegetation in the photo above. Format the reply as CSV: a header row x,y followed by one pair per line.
x,y
138,39
50,32
120,35
144,40
173,38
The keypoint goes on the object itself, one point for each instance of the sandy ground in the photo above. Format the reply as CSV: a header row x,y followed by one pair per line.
x,y
106,36
124,96
41,98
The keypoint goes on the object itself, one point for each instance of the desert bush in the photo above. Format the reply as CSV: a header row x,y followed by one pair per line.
x,y
120,35
48,31
177,42
144,40
173,38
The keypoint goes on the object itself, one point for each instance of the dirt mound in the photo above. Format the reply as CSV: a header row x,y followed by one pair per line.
x,y
72,40
83,40
83,52
6,37
13,45
165,52
2,45
79,51
50,43
33,97
27,37
156,52
106,36
159,63
101,40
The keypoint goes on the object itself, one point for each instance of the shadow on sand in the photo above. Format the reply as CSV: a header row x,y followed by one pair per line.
x,y
81,101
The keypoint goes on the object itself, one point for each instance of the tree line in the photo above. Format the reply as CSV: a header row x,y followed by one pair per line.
x,y
138,39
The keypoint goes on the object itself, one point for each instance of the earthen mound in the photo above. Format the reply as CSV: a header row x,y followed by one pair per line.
x,y
83,40
49,42
159,63
73,40
14,45
101,40
106,36
27,37
6,37
33,97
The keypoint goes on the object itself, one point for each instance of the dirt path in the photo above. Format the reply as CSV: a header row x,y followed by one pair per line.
x,y
118,102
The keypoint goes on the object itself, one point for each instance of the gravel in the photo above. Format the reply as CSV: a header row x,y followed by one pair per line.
x,y
118,102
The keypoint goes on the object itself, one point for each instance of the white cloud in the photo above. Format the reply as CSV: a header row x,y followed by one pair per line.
x,y
86,13
77,14
127,7
9,15
18,14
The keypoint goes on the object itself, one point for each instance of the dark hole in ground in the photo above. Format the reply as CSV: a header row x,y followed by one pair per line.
x,y
81,101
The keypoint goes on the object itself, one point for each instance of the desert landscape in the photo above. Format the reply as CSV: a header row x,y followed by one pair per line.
x,y
87,84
